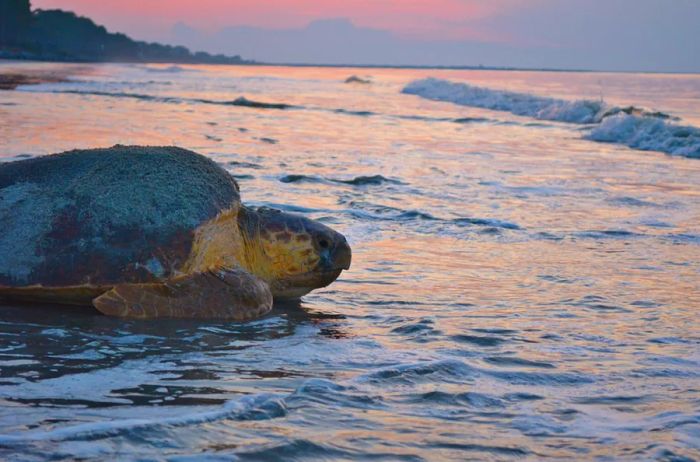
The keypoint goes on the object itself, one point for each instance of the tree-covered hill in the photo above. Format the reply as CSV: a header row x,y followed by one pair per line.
x,y
64,36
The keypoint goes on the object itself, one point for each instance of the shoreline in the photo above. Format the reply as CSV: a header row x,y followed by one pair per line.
x,y
15,77
13,80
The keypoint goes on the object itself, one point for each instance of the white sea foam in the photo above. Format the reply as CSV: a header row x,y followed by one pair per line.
x,y
630,126
96,385
648,134
523,104
230,409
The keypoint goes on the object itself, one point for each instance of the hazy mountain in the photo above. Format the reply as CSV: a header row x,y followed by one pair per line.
x,y
612,41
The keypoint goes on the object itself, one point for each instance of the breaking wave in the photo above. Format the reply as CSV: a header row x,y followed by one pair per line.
x,y
648,134
631,126
522,104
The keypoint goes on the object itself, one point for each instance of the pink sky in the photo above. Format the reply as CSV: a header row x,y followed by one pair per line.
x,y
434,19
573,34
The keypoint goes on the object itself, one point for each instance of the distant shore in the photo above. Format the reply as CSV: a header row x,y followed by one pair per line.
x,y
28,56
63,36
471,68
22,59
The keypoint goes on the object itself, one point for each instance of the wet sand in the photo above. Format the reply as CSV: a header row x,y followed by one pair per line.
x,y
14,76
12,81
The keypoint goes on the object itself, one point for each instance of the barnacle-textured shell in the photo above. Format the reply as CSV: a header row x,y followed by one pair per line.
x,y
102,216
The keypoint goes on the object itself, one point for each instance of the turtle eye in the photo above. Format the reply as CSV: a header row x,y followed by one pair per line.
x,y
323,243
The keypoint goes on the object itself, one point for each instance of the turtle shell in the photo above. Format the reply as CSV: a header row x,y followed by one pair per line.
x,y
104,216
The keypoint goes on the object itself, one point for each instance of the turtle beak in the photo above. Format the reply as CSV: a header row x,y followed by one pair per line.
x,y
341,255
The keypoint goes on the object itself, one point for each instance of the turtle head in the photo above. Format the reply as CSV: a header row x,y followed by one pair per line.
x,y
294,254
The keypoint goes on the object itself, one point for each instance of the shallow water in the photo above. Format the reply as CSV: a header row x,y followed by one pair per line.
x,y
517,290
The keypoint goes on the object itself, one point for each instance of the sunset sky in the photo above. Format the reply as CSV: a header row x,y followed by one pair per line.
x,y
654,35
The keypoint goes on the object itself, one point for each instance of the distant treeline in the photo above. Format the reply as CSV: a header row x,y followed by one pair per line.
x,y
64,36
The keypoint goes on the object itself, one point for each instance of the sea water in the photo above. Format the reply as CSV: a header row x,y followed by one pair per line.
x,y
525,285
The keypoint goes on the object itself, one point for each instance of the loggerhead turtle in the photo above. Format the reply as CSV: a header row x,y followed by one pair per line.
x,y
153,232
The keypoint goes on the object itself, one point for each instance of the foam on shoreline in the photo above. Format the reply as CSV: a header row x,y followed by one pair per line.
x,y
631,126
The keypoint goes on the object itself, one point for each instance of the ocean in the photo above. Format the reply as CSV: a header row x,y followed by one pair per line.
x,y
525,280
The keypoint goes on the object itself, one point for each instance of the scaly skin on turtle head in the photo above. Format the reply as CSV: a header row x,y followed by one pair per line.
x,y
294,254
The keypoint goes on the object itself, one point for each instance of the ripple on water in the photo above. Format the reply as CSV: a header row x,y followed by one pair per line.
x,y
608,234
330,393
426,222
303,449
479,340
418,328
513,361
251,407
540,378
468,399
242,164
371,180
490,222
424,325
448,370
598,304
627,201
613,400
241,101
482,448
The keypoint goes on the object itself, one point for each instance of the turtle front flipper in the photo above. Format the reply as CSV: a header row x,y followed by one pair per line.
x,y
222,294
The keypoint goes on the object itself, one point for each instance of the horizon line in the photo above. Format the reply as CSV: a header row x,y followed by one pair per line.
x,y
372,66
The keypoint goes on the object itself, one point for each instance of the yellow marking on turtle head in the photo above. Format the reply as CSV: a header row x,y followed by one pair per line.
x,y
280,253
